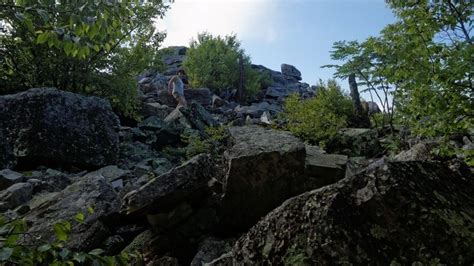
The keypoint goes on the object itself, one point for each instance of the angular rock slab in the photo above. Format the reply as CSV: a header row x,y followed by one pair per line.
x,y
323,169
400,212
265,167
91,190
187,182
51,126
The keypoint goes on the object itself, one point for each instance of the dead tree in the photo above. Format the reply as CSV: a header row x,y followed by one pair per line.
x,y
361,117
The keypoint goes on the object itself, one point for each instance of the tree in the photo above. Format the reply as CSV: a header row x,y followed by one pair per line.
x,y
424,61
75,45
318,119
213,62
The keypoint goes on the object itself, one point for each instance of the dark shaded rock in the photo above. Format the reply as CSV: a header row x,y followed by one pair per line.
x,y
398,213
132,153
419,152
203,96
155,109
15,195
265,167
226,259
211,249
9,177
257,109
113,245
277,92
217,101
290,72
187,182
193,116
356,142
51,126
323,169
91,190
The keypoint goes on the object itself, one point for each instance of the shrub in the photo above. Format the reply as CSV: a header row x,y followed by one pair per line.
x,y
318,119
213,62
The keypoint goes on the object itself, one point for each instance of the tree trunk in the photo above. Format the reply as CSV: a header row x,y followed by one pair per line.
x,y
240,91
361,118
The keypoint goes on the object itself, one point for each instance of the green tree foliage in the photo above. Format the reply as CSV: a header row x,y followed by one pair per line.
x,y
318,119
213,62
84,46
425,59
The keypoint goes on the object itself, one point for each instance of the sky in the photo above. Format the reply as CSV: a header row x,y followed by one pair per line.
x,y
272,32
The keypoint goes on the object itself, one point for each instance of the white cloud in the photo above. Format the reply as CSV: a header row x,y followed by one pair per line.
x,y
249,19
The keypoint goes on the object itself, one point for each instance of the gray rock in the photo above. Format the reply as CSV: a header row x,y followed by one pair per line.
x,y
48,125
277,92
290,72
15,195
265,167
210,249
419,152
399,212
9,177
203,96
194,116
112,172
217,101
226,259
187,182
256,110
355,142
91,190
323,169
156,109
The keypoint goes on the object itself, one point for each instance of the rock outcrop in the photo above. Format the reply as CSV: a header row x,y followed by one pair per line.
x,y
51,126
265,167
89,192
398,213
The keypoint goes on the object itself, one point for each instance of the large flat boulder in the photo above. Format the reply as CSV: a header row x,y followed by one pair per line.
x,y
52,126
398,213
185,183
323,169
90,191
265,167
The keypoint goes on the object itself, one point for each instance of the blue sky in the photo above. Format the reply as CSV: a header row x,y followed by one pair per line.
x,y
272,32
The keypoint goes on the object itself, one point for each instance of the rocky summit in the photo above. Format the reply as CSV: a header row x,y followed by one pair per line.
x,y
222,182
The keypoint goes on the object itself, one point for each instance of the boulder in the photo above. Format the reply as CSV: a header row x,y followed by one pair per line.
x,y
185,183
276,92
256,110
356,142
265,167
89,191
290,72
193,116
323,169
217,101
51,126
15,195
9,177
155,109
398,213
203,96
210,249
419,152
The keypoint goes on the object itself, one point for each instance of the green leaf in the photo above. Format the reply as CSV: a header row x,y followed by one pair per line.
x,y
44,247
62,230
42,38
96,252
107,47
43,14
79,257
5,253
90,210
79,217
